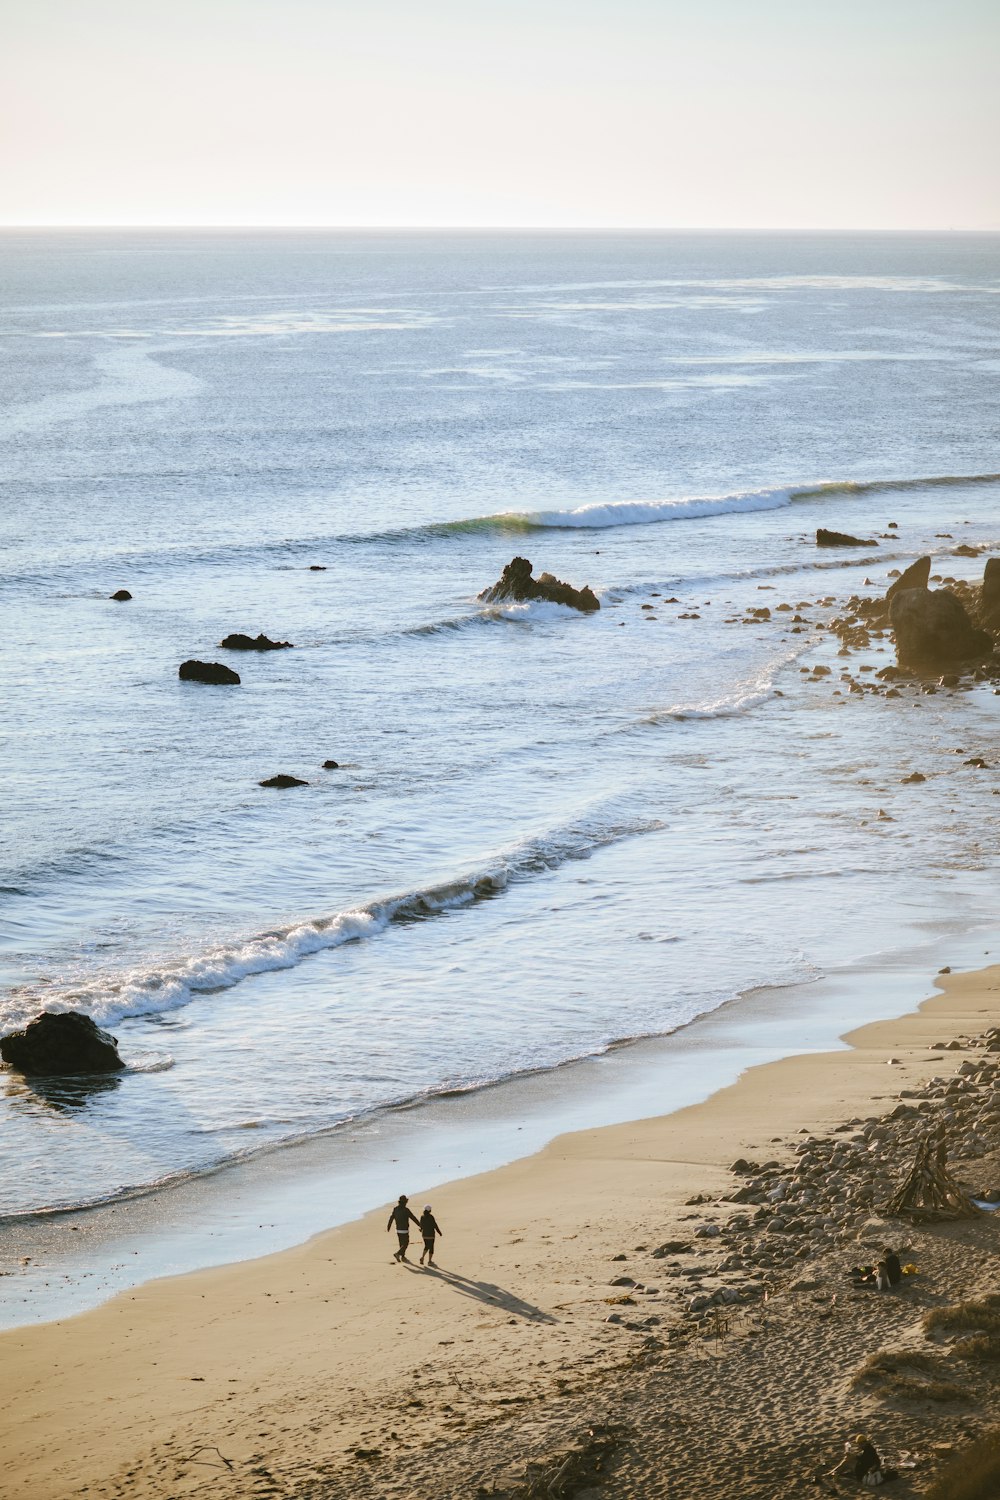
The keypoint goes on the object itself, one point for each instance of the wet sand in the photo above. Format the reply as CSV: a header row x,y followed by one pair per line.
x,y
330,1370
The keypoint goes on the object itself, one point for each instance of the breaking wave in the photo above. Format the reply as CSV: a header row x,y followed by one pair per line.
x,y
169,986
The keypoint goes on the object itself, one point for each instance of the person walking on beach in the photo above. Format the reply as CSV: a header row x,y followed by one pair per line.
x,y
402,1217
429,1227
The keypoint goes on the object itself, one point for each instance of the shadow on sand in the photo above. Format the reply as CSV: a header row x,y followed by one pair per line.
x,y
485,1291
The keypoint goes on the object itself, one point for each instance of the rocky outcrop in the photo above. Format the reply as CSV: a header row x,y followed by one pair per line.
x,y
239,642
931,629
516,583
120,595
207,671
916,576
57,1044
331,765
826,538
283,780
989,595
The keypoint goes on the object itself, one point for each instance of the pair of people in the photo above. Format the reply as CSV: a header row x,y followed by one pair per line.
x,y
402,1216
886,1275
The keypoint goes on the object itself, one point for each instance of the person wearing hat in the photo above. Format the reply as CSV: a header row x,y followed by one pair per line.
x,y
402,1217
429,1227
860,1458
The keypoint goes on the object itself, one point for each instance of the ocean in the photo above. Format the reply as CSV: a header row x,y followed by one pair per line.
x,y
547,834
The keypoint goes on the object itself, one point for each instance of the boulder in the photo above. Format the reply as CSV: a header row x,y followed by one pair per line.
x,y
283,780
207,671
60,1043
121,595
516,583
331,765
916,576
239,642
826,538
932,628
989,594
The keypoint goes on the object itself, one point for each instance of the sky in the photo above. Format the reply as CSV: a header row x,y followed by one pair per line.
x,y
815,114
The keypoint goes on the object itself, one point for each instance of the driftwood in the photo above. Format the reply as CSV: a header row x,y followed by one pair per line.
x,y
929,1192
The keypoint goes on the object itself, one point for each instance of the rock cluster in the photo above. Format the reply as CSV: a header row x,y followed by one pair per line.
x,y
826,538
61,1043
829,1189
516,583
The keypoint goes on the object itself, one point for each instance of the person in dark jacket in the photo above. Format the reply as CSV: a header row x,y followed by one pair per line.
x,y
402,1217
429,1227
892,1266
860,1458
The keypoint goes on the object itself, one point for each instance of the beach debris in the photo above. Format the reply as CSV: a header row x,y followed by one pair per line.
x,y
826,538
208,671
283,780
120,595
516,583
929,1191
61,1043
567,1472
240,642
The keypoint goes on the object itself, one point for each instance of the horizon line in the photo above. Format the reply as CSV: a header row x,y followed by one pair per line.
x,y
520,228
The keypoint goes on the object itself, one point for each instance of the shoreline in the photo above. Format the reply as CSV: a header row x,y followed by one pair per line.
x,y
292,1362
281,1198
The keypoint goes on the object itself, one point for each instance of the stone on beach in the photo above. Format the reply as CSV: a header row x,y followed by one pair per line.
x,y
58,1043
207,671
931,628
516,583
916,576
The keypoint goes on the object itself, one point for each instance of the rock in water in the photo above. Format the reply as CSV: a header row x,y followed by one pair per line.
x,y
207,671
331,765
57,1044
283,780
826,538
516,583
916,576
931,628
121,595
238,642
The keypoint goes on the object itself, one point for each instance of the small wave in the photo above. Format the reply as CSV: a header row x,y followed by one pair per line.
x,y
739,700
169,986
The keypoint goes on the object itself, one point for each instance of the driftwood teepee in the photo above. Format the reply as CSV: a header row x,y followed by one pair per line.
x,y
929,1191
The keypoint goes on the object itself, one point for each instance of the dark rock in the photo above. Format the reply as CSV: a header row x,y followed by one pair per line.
x,y
317,567
931,627
989,594
238,642
826,538
916,576
913,777
121,595
283,780
207,671
331,765
964,550
59,1043
516,582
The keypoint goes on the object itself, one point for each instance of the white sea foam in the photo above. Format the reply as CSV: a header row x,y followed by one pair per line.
x,y
647,512
167,987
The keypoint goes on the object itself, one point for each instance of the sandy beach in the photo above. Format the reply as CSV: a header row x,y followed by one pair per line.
x,y
330,1370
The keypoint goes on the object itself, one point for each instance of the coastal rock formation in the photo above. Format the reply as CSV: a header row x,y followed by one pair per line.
x,y
240,642
916,576
283,780
826,538
989,595
931,628
120,595
207,671
58,1044
331,765
516,583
